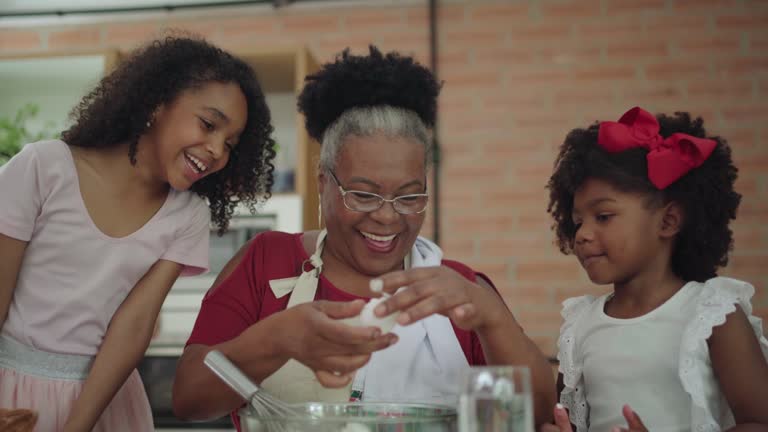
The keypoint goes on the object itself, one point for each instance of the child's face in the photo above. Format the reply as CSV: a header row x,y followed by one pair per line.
x,y
617,235
193,137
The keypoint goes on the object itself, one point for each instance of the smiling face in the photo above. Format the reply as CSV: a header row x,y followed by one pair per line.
x,y
193,137
376,242
618,234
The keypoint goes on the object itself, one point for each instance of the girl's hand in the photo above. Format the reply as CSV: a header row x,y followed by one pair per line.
x,y
313,335
562,422
440,290
633,421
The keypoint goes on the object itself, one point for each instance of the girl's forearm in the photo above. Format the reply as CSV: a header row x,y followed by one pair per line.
x,y
121,351
508,345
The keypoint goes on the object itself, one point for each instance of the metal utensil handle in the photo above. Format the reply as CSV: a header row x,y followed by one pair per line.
x,y
230,374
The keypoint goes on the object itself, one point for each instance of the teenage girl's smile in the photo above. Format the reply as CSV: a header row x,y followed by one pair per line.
x,y
213,116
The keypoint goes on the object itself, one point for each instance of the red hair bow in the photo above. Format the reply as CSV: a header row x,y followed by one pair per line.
x,y
668,158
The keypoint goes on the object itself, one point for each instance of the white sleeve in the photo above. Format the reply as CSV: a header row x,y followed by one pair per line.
x,y
572,396
717,299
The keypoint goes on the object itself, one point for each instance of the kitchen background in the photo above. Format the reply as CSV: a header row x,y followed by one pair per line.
x,y
518,75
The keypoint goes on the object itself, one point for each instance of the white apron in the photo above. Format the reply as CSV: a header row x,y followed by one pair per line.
x,y
425,365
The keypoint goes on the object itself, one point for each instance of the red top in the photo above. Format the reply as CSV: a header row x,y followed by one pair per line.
x,y
244,297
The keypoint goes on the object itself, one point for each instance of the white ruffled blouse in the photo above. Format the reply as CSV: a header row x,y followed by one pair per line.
x,y
657,363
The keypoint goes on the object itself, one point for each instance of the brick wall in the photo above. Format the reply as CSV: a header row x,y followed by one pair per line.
x,y
518,75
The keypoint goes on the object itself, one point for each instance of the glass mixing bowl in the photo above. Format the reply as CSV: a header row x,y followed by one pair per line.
x,y
356,417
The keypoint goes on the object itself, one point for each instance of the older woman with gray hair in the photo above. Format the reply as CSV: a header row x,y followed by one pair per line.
x,y
290,309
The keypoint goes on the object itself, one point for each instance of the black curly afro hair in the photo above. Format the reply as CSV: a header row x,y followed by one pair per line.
x,y
118,109
706,193
364,81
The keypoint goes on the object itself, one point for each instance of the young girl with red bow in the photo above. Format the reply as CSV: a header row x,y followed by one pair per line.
x,y
644,203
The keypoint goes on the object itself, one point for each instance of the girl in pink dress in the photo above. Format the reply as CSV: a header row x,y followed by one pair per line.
x,y
96,227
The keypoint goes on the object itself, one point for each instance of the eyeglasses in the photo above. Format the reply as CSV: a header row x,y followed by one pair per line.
x,y
367,202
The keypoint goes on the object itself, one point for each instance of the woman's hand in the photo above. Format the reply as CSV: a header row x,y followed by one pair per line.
x,y
563,423
440,290
314,335
633,421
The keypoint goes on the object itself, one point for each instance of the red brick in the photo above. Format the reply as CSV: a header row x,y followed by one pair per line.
x,y
512,99
84,37
472,78
582,95
392,19
605,30
405,41
501,56
536,295
746,113
512,148
740,139
720,44
749,20
251,27
132,34
605,73
749,238
544,118
678,26
483,14
490,172
19,40
719,89
570,10
455,245
545,77
307,23
447,16
482,223
459,58
334,44
653,94
741,67
473,37
568,53
749,266
634,6
547,269
514,244
753,211
533,34
636,50
701,5
758,43
677,70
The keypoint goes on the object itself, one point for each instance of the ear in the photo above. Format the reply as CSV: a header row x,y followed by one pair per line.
x,y
672,220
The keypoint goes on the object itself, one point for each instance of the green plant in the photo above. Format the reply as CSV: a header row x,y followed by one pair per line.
x,y
14,132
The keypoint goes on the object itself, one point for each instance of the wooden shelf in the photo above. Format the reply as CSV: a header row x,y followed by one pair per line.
x,y
280,70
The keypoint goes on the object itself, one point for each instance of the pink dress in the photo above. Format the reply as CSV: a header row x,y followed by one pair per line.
x,y
72,280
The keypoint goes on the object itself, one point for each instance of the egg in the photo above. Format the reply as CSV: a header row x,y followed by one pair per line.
x,y
368,318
